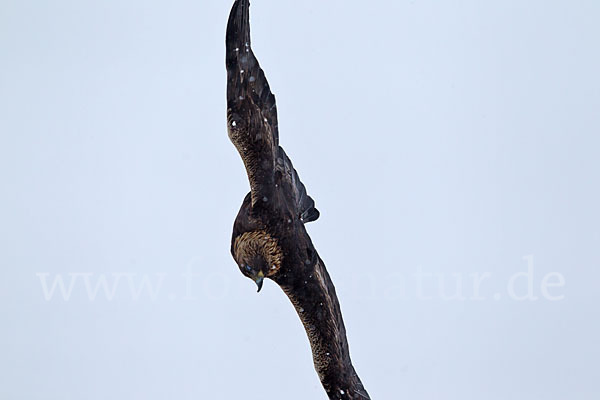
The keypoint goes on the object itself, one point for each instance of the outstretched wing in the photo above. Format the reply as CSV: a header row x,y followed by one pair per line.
x,y
252,121
251,111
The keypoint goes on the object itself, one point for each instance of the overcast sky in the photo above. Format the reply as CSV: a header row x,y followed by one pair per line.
x,y
451,147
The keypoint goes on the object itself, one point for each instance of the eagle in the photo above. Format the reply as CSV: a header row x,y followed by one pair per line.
x,y
269,239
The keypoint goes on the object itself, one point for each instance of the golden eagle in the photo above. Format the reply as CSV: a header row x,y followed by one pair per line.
x,y
269,239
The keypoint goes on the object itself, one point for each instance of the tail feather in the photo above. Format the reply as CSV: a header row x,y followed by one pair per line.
x,y
304,203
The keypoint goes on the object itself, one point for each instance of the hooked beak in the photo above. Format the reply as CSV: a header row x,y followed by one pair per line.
x,y
259,280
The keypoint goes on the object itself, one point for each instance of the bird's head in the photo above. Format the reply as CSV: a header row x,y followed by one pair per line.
x,y
257,255
254,268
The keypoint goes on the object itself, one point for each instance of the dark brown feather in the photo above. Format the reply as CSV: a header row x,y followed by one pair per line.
x,y
252,121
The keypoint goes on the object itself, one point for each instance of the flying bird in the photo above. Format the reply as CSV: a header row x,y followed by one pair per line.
x,y
269,239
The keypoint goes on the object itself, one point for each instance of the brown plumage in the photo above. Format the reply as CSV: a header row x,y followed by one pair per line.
x,y
269,238
258,245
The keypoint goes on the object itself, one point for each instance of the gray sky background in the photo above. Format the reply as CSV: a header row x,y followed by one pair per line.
x,y
455,137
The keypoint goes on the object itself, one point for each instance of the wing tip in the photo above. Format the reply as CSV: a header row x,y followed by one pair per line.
x,y
238,29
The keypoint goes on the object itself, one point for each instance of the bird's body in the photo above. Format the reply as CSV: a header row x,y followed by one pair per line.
x,y
269,238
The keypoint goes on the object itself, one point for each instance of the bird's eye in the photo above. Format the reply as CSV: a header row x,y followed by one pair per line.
x,y
248,268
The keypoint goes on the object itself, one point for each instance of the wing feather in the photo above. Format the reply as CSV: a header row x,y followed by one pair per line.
x,y
251,109
252,121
